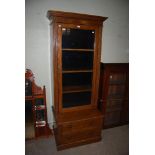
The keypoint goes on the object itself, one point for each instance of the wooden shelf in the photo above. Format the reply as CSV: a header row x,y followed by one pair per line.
x,y
38,96
74,104
78,50
40,122
77,71
27,98
41,125
40,107
72,89
35,96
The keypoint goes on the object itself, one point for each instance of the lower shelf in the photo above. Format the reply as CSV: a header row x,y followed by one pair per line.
x,y
78,88
76,99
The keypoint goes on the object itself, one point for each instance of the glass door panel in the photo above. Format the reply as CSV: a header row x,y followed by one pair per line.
x,y
76,99
77,60
77,79
77,66
77,38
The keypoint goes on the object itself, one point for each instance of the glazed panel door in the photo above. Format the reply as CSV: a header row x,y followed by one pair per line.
x,y
77,54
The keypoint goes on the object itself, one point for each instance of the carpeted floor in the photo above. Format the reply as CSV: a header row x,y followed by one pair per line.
x,y
115,141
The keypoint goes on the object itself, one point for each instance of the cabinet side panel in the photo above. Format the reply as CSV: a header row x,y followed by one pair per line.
x,y
97,65
51,70
54,64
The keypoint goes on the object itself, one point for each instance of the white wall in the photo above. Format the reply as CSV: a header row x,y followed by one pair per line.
x,y
37,42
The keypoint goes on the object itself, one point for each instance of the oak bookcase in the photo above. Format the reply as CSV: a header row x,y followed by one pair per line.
x,y
76,50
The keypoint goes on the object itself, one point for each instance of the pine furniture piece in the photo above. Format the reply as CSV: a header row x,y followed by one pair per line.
x,y
76,49
114,94
35,108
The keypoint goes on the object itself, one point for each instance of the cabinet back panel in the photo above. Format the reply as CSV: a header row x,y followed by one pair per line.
x,y
72,79
76,99
77,60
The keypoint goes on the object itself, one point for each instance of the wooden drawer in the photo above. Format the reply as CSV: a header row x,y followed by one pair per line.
x,y
82,124
81,135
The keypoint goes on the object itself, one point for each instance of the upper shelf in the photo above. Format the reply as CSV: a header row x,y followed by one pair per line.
x,y
77,71
79,88
72,50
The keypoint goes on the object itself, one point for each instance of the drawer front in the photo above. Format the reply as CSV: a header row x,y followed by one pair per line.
x,y
84,134
82,124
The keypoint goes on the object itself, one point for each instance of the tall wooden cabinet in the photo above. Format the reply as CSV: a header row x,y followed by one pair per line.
x,y
114,94
76,49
